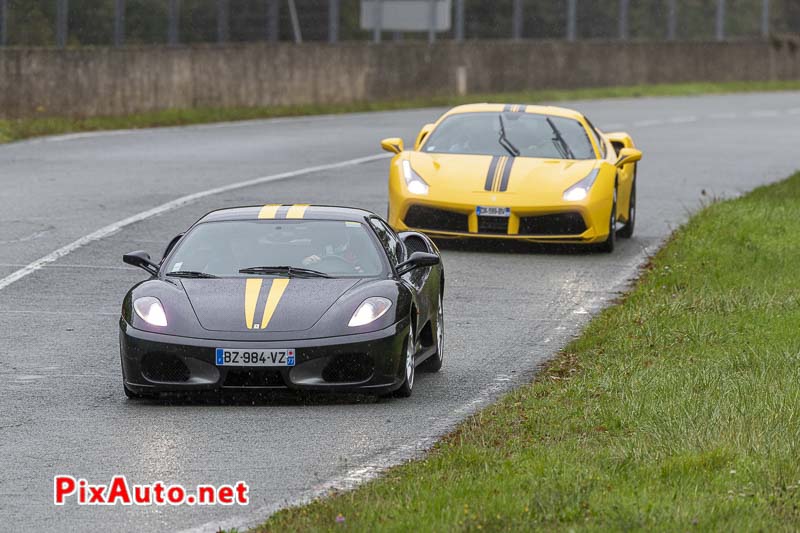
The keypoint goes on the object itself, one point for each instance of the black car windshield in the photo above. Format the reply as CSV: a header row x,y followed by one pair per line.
x,y
325,248
531,134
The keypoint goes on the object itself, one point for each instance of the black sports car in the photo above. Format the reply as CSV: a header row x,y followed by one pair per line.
x,y
284,296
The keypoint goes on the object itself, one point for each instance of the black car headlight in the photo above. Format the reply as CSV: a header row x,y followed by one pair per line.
x,y
369,311
150,310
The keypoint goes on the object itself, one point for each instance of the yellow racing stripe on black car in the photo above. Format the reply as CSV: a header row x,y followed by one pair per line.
x,y
275,293
251,291
297,211
268,211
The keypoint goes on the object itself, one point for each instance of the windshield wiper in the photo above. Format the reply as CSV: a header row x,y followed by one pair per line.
x,y
292,272
504,142
190,274
561,144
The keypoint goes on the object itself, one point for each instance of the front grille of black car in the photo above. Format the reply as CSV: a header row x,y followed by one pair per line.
x,y
493,225
164,368
429,218
349,368
253,377
557,224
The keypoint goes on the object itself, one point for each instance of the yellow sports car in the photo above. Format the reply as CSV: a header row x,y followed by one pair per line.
x,y
532,173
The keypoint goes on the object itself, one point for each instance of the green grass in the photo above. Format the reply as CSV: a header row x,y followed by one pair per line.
x,y
12,130
676,410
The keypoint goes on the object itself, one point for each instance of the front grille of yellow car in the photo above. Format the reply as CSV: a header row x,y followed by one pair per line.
x,y
557,224
430,218
493,225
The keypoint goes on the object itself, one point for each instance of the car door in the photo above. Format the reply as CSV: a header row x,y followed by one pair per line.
x,y
418,279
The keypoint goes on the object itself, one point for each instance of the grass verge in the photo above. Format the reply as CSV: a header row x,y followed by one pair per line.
x,y
675,410
13,130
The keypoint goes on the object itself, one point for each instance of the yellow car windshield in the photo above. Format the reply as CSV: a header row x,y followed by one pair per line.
x,y
532,134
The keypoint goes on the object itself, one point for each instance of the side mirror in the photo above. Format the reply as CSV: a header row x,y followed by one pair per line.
x,y
423,134
628,155
393,145
142,260
417,260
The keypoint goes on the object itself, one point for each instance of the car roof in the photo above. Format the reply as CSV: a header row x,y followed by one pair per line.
x,y
287,211
519,108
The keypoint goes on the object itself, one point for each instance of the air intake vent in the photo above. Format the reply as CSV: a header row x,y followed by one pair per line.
x,y
558,224
421,217
493,225
165,368
349,368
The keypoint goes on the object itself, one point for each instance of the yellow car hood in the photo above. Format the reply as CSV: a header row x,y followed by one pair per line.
x,y
509,179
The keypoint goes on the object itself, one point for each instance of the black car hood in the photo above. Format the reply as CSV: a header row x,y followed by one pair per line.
x,y
220,304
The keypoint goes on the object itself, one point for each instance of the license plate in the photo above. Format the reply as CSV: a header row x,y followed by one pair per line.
x,y
493,211
248,357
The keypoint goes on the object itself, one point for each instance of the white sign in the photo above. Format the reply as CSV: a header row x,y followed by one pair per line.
x,y
406,15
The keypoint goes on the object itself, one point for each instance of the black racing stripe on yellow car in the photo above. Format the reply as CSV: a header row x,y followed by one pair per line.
x,y
499,172
490,174
522,109
508,108
515,108
506,175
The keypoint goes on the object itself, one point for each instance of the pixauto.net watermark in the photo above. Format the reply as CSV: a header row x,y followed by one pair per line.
x,y
119,492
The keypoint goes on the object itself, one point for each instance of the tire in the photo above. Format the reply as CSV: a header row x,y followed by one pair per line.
x,y
627,230
610,242
434,362
407,387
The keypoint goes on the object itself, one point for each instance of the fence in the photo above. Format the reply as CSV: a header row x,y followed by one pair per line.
x,y
118,22
87,82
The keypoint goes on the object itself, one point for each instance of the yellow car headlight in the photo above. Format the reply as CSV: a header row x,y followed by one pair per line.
x,y
580,190
414,182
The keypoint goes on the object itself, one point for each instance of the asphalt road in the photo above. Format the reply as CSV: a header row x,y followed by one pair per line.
x,y
62,410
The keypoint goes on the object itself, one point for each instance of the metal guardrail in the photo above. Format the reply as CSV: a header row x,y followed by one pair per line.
x,y
335,20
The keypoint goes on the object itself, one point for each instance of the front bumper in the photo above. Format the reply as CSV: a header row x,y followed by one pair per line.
x,y
579,222
153,363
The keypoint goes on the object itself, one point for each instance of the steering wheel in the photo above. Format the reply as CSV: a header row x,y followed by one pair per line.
x,y
337,260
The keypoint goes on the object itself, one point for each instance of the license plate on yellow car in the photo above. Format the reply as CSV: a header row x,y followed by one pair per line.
x,y
247,357
493,211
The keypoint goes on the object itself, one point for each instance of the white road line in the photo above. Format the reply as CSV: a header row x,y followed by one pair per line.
x,y
723,116
648,123
682,120
169,206
57,313
92,267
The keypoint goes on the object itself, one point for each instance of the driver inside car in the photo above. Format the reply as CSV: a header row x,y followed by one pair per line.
x,y
335,246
